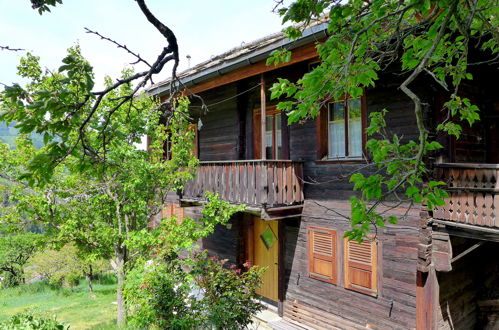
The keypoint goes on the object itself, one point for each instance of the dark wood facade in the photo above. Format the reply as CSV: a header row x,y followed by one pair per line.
x,y
411,288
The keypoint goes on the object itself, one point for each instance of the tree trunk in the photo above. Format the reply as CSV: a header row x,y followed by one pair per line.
x,y
120,273
90,277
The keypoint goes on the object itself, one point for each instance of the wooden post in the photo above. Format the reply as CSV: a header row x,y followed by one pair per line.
x,y
427,299
263,112
281,267
262,115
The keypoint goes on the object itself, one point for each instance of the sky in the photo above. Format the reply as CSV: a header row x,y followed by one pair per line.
x,y
203,29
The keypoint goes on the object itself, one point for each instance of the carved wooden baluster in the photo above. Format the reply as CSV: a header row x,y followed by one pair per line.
x,y
489,211
480,201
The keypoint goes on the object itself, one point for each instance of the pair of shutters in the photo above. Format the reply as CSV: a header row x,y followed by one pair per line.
x,y
360,259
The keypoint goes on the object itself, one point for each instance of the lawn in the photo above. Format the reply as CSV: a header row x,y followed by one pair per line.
x,y
77,307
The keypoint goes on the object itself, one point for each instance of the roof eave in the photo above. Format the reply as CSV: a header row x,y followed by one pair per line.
x,y
312,33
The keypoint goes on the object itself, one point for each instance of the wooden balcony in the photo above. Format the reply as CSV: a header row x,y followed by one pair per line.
x,y
473,201
271,188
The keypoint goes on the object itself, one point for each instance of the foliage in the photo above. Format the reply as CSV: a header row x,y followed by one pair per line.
x,y
192,293
30,321
229,296
64,266
95,200
365,38
182,289
43,5
15,251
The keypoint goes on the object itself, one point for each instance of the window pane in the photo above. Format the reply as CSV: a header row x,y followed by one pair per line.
x,y
278,136
268,137
336,130
354,128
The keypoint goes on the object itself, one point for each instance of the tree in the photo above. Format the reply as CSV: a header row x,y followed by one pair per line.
x,y
424,37
66,265
103,203
71,107
97,200
15,251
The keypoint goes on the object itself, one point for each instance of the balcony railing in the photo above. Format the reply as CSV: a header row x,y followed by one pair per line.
x,y
473,194
260,183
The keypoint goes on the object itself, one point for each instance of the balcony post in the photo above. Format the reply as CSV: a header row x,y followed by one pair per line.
x,y
262,115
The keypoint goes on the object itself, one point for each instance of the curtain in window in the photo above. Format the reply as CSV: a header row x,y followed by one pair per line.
x,y
337,130
337,139
355,138
354,128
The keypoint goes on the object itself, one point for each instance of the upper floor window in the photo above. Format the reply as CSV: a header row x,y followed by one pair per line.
x,y
341,130
345,129
273,136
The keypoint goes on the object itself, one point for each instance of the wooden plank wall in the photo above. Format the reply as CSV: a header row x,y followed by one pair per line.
x,y
395,306
219,135
224,242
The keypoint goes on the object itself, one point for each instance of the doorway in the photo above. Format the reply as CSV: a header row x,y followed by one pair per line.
x,y
264,238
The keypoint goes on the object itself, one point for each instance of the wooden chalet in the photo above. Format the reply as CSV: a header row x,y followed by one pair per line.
x,y
432,270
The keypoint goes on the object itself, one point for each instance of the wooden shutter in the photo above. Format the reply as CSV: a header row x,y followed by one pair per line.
x,y
178,211
322,257
257,135
361,267
171,210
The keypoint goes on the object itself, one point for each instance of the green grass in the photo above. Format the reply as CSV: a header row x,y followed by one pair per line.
x,y
76,307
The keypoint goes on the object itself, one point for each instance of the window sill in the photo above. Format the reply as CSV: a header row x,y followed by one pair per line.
x,y
345,160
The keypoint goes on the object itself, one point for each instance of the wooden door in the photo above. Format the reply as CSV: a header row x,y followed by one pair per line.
x,y
266,244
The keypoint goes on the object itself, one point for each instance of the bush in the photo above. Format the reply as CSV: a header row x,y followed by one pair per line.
x,y
30,321
191,293
159,294
229,296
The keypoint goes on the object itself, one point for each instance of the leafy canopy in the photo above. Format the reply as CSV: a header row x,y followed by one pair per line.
x,y
417,37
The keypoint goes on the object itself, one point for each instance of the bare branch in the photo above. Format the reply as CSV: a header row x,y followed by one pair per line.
x,y
137,55
11,49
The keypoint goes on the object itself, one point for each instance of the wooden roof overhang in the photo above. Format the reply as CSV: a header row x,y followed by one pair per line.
x,y
231,67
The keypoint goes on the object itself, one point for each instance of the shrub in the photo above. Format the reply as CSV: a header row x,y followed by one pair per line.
x,y
30,321
229,295
191,293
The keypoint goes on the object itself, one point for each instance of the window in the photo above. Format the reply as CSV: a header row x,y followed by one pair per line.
x,y
322,254
167,146
341,130
273,136
276,138
361,267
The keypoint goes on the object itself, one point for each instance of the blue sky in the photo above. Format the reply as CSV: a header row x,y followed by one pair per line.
x,y
203,29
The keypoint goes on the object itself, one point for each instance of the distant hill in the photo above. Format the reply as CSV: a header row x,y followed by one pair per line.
x,y
8,134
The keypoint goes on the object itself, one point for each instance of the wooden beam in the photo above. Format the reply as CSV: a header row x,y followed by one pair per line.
x,y
467,231
465,252
300,54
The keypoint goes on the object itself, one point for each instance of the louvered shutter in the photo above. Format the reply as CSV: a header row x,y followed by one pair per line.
x,y
178,211
171,210
322,254
361,266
